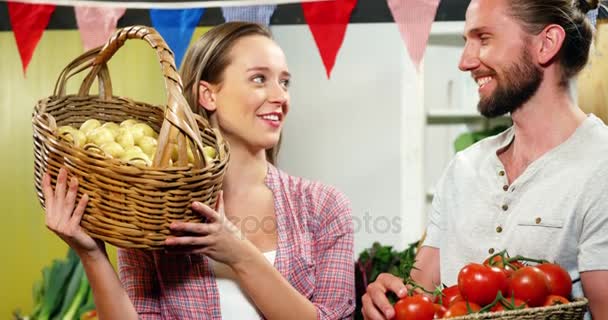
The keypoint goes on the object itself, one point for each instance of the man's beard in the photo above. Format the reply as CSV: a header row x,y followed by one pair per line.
x,y
519,83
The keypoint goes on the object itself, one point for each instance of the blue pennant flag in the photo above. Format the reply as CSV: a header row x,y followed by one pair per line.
x,y
176,27
259,14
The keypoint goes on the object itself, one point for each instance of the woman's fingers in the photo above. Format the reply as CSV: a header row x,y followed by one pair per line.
x,y
205,211
189,241
60,188
195,228
47,190
70,198
79,211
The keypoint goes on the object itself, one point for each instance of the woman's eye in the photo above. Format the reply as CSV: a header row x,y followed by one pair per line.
x,y
259,79
285,83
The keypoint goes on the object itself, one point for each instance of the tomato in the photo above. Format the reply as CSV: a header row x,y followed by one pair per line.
x,y
439,311
553,300
530,285
480,284
449,295
509,304
89,315
560,282
497,261
460,309
416,307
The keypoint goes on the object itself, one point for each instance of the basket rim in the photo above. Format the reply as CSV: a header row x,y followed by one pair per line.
x,y
577,302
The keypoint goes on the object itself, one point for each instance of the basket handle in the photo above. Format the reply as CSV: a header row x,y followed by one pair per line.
x,y
181,126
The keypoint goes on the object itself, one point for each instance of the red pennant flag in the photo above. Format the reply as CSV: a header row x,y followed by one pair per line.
x,y
97,24
414,18
327,21
28,22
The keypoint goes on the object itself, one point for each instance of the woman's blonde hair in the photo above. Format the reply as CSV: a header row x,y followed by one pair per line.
x,y
207,59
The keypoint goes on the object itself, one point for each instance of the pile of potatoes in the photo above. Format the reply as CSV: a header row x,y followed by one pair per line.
x,y
131,141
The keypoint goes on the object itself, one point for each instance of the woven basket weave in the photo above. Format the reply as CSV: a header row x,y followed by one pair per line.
x,y
571,311
130,205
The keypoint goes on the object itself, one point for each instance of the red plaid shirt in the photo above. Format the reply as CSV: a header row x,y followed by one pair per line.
x,y
315,254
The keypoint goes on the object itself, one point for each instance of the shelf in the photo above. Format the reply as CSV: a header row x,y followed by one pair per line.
x,y
447,28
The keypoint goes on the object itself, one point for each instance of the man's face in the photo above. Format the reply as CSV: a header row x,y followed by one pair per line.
x,y
499,59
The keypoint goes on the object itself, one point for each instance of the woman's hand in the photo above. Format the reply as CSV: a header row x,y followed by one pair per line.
x,y
63,215
217,238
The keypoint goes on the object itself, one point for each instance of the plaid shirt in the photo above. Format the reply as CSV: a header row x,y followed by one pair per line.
x,y
315,254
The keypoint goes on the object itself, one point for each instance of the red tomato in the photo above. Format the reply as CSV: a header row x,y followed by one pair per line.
x,y
497,261
509,304
416,307
480,284
553,300
449,295
439,311
460,309
530,285
560,282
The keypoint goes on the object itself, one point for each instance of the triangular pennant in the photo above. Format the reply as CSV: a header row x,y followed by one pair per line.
x,y
176,27
258,14
28,22
414,18
328,21
97,24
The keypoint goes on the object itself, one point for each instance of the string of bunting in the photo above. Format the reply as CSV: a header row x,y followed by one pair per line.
x,y
176,20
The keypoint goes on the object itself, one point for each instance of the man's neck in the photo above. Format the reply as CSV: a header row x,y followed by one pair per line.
x,y
548,119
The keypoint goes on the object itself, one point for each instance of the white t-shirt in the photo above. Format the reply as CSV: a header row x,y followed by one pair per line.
x,y
234,303
556,210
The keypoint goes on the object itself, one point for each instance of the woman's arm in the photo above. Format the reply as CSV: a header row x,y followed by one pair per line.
x,y
111,299
334,295
63,216
270,291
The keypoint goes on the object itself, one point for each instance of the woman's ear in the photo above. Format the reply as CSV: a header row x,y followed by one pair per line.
x,y
206,96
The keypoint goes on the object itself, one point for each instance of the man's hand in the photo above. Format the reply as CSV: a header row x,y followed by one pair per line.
x,y
375,303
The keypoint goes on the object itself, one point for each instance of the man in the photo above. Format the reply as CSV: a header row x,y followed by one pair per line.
x,y
539,189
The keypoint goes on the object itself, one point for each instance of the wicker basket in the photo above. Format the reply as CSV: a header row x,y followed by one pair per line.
x,y
130,206
571,311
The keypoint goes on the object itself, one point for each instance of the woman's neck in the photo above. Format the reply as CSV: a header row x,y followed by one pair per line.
x,y
246,169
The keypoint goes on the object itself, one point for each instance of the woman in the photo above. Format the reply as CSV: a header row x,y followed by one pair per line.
x,y
277,246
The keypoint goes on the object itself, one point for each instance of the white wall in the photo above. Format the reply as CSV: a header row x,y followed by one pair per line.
x,y
355,130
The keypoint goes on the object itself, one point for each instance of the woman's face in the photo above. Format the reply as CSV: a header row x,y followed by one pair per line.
x,y
252,100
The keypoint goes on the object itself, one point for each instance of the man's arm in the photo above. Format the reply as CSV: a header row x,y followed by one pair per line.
x,y
426,272
594,286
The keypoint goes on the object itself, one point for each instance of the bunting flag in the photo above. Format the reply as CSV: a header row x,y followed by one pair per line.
x,y
176,27
161,4
28,22
414,18
328,22
97,24
258,14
